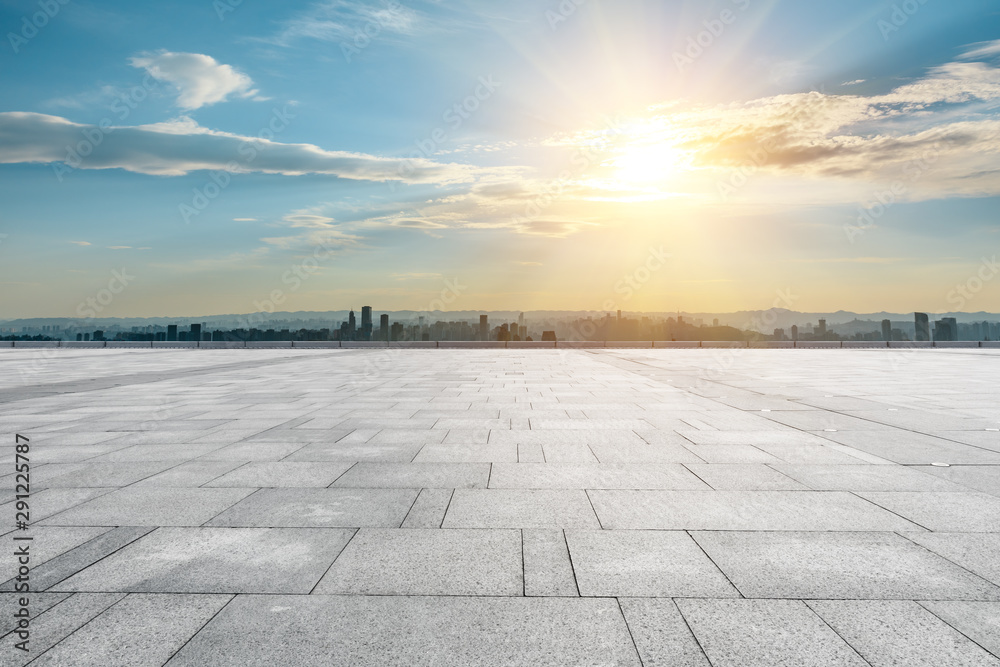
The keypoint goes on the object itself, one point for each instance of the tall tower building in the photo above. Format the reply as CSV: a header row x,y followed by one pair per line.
x,y
383,327
921,326
484,327
886,330
171,332
195,332
366,322
352,326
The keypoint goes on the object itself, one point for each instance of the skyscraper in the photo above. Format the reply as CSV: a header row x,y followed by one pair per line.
x,y
484,327
352,326
383,327
886,330
795,332
366,322
922,327
195,332
171,332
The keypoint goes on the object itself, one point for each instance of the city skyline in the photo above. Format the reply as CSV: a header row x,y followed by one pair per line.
x,y
647,155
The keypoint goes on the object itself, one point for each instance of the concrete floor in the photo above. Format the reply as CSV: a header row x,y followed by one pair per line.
x,y
505,507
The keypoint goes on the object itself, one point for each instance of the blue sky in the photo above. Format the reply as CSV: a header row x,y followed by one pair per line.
x,y
844,152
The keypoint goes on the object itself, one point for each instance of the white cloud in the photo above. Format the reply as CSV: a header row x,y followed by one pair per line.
x,y
982,50
340,20
84,243
200,80
180,147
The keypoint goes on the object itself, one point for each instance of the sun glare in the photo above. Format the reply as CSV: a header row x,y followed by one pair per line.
x,y
645,165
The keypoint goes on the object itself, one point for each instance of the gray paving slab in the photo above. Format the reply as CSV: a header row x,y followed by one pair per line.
x,y
190,474
309,508
55,624
38,603
597,476
468,453
789,437
520,508
979,621
941,511
381,561
423,631
899,632
150,506
911,448
216,560
865,478
818,565
976,552
985,479
661,634
429,509
743,477
372,475
765,633
140,630
548,570
742,510
271,474
644,563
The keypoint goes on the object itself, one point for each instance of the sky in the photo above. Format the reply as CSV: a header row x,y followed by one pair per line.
x,y
233,156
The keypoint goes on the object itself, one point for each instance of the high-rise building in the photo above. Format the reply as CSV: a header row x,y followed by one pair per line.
x,y
886,330
352,326
171,332
795,332
922,327
383,327
484,327
946,329
366,322
195,333
520,321
821,329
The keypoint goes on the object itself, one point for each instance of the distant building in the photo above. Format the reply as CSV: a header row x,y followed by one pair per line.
x,y
171,332
946,329
779,334
886,330
484,327
922,327
366,323
821,329
795,332
195,333
383,327
549,336
352,326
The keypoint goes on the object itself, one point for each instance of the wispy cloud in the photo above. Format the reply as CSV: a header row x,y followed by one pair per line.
x,y
199,79
83,243
180,147
981,50
339,20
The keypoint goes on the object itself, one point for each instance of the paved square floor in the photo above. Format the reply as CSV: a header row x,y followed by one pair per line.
x,y
505,507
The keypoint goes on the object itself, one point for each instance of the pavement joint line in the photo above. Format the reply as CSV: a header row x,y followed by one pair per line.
x,y
834,631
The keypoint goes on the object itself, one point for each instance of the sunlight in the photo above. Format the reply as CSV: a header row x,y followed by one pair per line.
x,y
645,164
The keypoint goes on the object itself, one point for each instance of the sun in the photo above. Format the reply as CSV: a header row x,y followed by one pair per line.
x,y
644,165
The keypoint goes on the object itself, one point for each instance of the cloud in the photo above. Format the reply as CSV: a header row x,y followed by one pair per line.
x,y
982,50
80,242
342,20
200,80
182,146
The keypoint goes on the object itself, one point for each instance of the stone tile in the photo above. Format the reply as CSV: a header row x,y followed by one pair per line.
x,y
548,571
644,563
190,474
899,632
468,453
282,474
150,506
429,509
661,634
976,552
815,565
743,477
216,560
985,479
732,454
139,630
765,633
865,478
382,561
420,631
254,451
597,476
520,508
741,510
416,475
979,621
353,452
911,448
952,512
777,438
55,624
100,475
643,453
309,508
